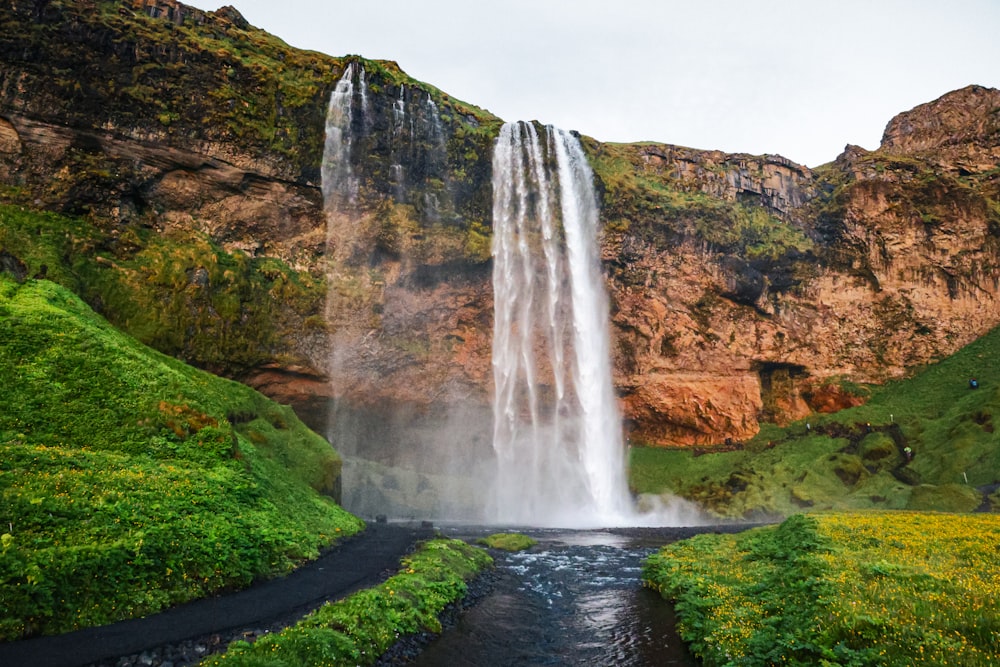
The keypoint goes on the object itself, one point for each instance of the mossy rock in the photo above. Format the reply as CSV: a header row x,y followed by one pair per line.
x,y
878,450
508,541
850,469
800,496
908,475
944,498
994,500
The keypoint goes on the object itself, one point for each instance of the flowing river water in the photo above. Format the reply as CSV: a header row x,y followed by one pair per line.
x,y
576,598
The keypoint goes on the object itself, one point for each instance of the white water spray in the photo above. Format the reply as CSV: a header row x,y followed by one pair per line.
x,y
557,430
400,460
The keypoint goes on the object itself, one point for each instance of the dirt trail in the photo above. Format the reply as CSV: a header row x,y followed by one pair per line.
x,y
359,562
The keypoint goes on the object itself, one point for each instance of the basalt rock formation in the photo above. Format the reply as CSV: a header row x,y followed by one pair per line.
x,y
186,161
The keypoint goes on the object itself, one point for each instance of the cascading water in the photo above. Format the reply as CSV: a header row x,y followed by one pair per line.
x,y
398,175
338,178
557,431
385,147
436,130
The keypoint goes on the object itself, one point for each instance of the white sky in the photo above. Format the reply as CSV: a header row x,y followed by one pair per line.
x,y
801,78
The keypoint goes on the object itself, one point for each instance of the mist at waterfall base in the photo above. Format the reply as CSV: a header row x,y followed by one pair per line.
x,y
549,451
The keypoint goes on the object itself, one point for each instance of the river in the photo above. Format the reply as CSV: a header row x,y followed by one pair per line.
x,y
576,598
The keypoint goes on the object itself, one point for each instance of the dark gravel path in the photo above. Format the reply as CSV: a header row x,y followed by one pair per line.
x,y
358,562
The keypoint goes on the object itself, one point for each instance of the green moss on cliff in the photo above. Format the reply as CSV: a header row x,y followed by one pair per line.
x,y
661,208
204,76
176,291
909,188
208,82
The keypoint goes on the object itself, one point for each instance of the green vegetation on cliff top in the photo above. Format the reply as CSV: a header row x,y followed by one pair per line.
x,y
856,458
207,83
360,628
210,75
655,205
866,588
130,482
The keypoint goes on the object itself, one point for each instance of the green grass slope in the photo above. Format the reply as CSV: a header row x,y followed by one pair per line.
x,y
130,481
863,588
359,629
856,458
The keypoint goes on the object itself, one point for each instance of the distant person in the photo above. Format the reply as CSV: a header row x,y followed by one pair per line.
x,y
973,383
909,453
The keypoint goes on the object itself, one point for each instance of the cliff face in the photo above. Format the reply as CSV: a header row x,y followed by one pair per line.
x,y
174,135
869,266
743,287
188,159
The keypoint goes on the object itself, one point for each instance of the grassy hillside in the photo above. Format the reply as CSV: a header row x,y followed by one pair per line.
x,y
856,458
868,588
130,481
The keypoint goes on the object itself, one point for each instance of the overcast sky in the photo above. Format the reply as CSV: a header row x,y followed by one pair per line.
x,y
801,78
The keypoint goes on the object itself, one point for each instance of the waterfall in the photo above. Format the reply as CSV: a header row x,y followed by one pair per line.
x,y
396,171
386,145
366,116
338,177
436,130
557,430
399,111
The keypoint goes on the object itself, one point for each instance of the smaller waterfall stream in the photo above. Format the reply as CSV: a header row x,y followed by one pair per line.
x,y
557,431
338,177
386,153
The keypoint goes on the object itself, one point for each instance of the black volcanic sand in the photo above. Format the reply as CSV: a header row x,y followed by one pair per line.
x,y
185,634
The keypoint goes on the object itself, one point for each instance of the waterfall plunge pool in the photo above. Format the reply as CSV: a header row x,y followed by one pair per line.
x,y
575,598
